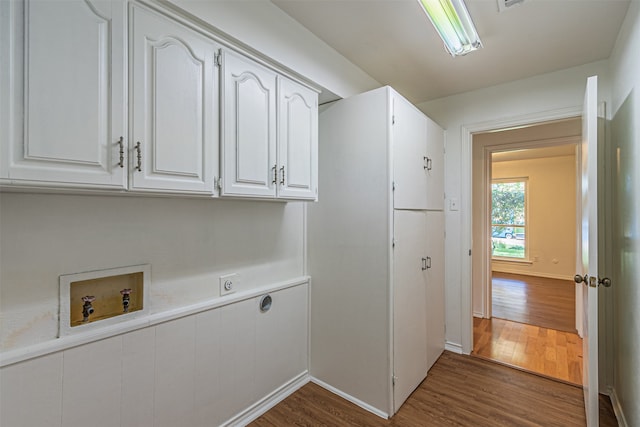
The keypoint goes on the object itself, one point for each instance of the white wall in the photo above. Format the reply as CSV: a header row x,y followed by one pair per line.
x,y
189,244
515,101
266,28
625,132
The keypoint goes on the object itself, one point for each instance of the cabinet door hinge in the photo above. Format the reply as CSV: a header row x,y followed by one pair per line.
x,y
217,58
217,182
393,186
393,380
393,242
393,119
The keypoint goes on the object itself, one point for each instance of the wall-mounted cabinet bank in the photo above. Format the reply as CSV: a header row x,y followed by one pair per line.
x,y
128,97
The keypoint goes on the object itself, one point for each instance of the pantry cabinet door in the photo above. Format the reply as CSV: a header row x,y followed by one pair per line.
x,y
435,285
409,303
409,138
63,95
249,128
435,166
297,141
174,92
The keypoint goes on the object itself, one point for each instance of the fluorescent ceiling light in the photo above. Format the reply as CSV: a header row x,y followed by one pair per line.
x,y
453,23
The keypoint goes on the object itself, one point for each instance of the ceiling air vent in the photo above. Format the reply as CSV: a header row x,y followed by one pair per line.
x,y
506,4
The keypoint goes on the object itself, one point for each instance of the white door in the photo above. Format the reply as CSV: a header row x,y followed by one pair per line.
x,y
409,129
589,249
63,80
409,304
434,166
297,141
435,286
174,93
249,128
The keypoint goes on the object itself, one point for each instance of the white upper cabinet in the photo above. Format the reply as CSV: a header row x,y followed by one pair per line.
x,y
173,97
249,164
269,135
409,130
62,79
434,166
297,141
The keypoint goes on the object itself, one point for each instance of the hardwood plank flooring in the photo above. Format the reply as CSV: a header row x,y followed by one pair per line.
x,y
556,354
459,391
539,301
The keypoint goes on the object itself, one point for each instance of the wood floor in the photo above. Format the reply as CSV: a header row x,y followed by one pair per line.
x,y
556,354
459,391
539,301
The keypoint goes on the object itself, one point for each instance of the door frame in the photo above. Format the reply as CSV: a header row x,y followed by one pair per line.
x,y
466,227
485,215
466,215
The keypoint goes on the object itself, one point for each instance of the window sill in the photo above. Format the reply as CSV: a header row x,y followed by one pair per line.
x,y
512,260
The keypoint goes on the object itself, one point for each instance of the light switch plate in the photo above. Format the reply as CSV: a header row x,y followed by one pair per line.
x,y
229,283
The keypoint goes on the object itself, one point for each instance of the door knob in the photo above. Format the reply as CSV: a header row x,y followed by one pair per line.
x,y
579,279
606,282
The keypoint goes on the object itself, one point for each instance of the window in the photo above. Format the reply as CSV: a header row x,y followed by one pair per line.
x,y
509,218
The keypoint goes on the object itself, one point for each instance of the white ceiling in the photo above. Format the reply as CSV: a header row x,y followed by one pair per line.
x,y
394,42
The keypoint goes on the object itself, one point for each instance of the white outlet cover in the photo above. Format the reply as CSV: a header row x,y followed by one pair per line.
x,y
229,283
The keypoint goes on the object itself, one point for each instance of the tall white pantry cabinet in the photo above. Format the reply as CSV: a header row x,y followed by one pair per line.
x,y
376,250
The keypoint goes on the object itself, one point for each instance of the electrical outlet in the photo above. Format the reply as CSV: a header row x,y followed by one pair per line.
x,y
228,283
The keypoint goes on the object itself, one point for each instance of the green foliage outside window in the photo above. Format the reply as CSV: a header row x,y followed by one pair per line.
x,y
508,213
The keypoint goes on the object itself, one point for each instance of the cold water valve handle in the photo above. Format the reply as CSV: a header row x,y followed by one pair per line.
x,y
87,308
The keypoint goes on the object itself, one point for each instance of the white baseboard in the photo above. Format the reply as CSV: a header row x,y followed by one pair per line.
x,y
255,411
617,408
478,314
452,347
350,398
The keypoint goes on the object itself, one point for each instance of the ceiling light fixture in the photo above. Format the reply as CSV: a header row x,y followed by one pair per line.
x,y
453,23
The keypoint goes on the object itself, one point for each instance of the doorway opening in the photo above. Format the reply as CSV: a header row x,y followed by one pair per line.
x,y
524,227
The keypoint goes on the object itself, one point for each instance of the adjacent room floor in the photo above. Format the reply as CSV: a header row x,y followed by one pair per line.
x,y
533,327
539,301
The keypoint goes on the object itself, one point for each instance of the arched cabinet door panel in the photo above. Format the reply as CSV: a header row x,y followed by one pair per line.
x,y
249,164
63,120
297,141
173,97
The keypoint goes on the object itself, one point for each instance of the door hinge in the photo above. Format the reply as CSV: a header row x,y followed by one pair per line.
x,y
217,182
393,242
393,380
393,119
393,186
469,252
217,59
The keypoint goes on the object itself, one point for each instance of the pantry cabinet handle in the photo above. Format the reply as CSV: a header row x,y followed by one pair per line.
x,y
282,177
428,163
139,155
121,143
428,262
424,264
275,174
